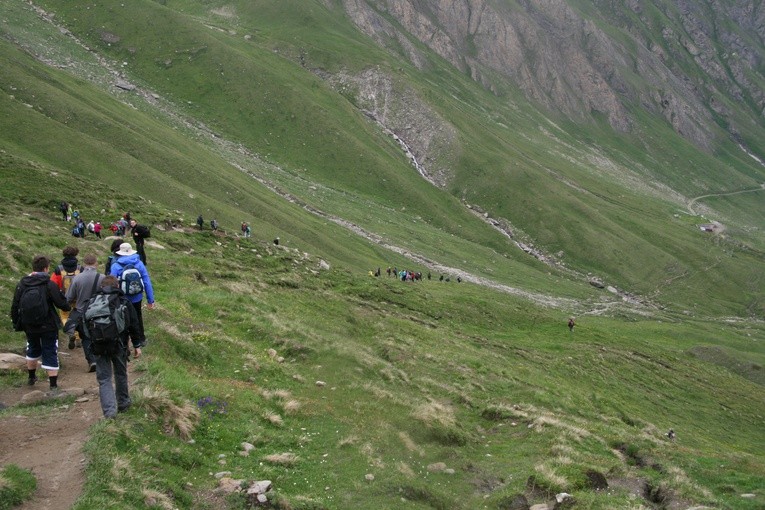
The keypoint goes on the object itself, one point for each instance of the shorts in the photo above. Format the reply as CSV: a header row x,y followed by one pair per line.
x,y
43,345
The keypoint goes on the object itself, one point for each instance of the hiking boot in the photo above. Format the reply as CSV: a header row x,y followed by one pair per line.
x,y
71,342
122,409
31,381
92,367
55,392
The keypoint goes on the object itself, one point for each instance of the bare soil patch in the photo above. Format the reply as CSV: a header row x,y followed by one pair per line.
x,y
49,442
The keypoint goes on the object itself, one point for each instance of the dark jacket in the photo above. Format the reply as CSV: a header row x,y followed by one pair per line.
x,y
139,233
132,326
56,299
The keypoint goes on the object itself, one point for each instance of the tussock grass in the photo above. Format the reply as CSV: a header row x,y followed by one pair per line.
x,y
282,459
178,418
273,418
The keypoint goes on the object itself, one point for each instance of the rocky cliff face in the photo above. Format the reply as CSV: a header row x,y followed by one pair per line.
x,y
689,61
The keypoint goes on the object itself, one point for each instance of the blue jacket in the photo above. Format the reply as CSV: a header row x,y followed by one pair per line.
x,y
118,265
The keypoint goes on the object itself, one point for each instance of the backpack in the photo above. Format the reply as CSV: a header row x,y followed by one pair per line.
x,y
104,321
130,281
76,231
33,306
142,231
67,277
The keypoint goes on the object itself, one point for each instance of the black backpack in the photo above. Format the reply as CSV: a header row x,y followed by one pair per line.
x,y
142,231
104,321
33,305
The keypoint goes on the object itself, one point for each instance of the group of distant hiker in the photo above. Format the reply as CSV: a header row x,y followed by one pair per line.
x,y
101,313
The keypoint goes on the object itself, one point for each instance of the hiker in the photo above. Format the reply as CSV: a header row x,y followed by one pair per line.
x,y
97,229
247,230
64,207
428,275
63,276
83,286
91,227
140,233
134,282
200,222
276,241
571,324
33,313
113,249
69,212
110,343
214,224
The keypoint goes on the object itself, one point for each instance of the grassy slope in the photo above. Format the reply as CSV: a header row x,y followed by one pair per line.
x,y
420,373
415,374
602,225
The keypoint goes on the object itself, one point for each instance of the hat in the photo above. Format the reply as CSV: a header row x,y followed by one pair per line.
x,y
125,249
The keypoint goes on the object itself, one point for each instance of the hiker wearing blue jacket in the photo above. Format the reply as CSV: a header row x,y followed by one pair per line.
x,y
127,261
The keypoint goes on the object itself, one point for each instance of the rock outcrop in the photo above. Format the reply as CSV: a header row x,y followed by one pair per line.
x,y
681,59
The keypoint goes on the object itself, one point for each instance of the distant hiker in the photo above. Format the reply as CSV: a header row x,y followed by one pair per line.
x,y
33,313
64,207
428,275
109,319
91,227
571,324
134,282
441,278
388,271
378,272
671,435
69,212
79,228
247,231
276,241
459,279
244,226
63,276
83,286
140,233
76,215
200,222
97,229
114,248
127,217
214,224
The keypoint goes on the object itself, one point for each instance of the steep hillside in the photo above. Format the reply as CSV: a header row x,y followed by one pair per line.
x,y
354,392
290,362
300,90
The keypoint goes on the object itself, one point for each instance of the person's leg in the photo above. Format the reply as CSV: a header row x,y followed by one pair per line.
x,y
49,344
33,355
87,349
119,362
137,307
105,388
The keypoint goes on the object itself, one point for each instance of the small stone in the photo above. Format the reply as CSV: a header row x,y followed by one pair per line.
x,y
262,499
82,399
221,474
436,467
749,495
449,471
248,446
320,383
369,477
261,487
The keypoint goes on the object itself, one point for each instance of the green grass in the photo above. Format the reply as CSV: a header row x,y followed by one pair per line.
x,y
16,486
489,383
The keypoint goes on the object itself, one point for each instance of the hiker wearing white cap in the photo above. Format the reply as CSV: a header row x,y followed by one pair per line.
x,y
134,282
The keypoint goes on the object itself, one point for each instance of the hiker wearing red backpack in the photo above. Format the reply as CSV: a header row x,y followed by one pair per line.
x,y
63,277
134,281
34,312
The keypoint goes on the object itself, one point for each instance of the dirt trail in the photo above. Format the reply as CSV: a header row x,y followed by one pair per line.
x,y
50,443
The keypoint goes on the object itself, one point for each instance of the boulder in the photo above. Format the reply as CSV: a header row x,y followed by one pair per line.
x,y
10,361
